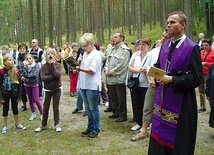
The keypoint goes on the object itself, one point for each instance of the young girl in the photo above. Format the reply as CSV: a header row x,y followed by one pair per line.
x,y
30,76
73,76
10,91
51,76
22,48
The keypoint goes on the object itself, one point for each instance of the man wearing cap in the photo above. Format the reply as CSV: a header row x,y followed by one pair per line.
x,y
136,45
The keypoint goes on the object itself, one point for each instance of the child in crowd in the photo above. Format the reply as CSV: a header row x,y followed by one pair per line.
x,y
30,76
51,76
73,73
10,90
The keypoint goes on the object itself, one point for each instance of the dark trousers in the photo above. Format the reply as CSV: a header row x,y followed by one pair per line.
x,y
138,97
65,67
117,97
24,95
56,99
6,105
40,86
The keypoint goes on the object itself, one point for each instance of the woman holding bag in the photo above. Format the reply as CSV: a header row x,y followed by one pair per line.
x,y
137,67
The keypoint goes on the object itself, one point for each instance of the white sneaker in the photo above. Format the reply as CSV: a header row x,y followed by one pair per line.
x,y
107,104
4,130
20,127
58,128
41,117
33,116
136,127
39,129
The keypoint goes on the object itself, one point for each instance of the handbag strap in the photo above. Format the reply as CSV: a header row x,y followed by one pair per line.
x,y
142,66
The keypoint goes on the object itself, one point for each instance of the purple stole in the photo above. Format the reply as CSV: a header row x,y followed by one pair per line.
x,y
166,113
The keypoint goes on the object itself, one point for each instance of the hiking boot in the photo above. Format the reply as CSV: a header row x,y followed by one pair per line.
x,y
39,129
4,130
20,127
33,116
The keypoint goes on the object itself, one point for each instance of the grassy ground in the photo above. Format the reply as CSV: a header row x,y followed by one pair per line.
x,y
114,137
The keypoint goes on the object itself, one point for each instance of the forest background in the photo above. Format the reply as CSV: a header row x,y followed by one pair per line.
x,y
60,21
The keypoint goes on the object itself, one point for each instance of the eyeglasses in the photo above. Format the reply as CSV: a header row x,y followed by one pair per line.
x,y
84,46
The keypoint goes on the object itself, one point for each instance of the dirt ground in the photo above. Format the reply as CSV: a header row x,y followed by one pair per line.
x,y
72,122
205,134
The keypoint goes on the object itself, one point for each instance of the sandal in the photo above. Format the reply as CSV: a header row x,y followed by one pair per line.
x,y
137,137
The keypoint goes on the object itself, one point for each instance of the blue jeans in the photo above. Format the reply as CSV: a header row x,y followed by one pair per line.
x,y
79,102
91,98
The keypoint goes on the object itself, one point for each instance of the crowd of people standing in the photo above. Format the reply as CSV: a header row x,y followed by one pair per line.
x,y
167,104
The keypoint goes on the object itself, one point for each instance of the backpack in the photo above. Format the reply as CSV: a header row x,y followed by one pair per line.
x,y
7,86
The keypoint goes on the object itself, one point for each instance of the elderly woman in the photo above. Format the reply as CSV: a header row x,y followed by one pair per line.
x,y
50,75
89,83
137,67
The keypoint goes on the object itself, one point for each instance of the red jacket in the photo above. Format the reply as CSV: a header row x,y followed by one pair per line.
x,y
208,59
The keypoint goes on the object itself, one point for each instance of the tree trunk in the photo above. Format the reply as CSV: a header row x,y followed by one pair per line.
x,y
59,24
109,18
211,18
73,25
139,22
14,22
207,17
67,20
38,23
187,11
98,21
128,13
50,23
30,19
43,27
150,14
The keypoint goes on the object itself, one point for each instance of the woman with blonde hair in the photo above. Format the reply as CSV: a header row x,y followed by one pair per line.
x,y
89,83
10,90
